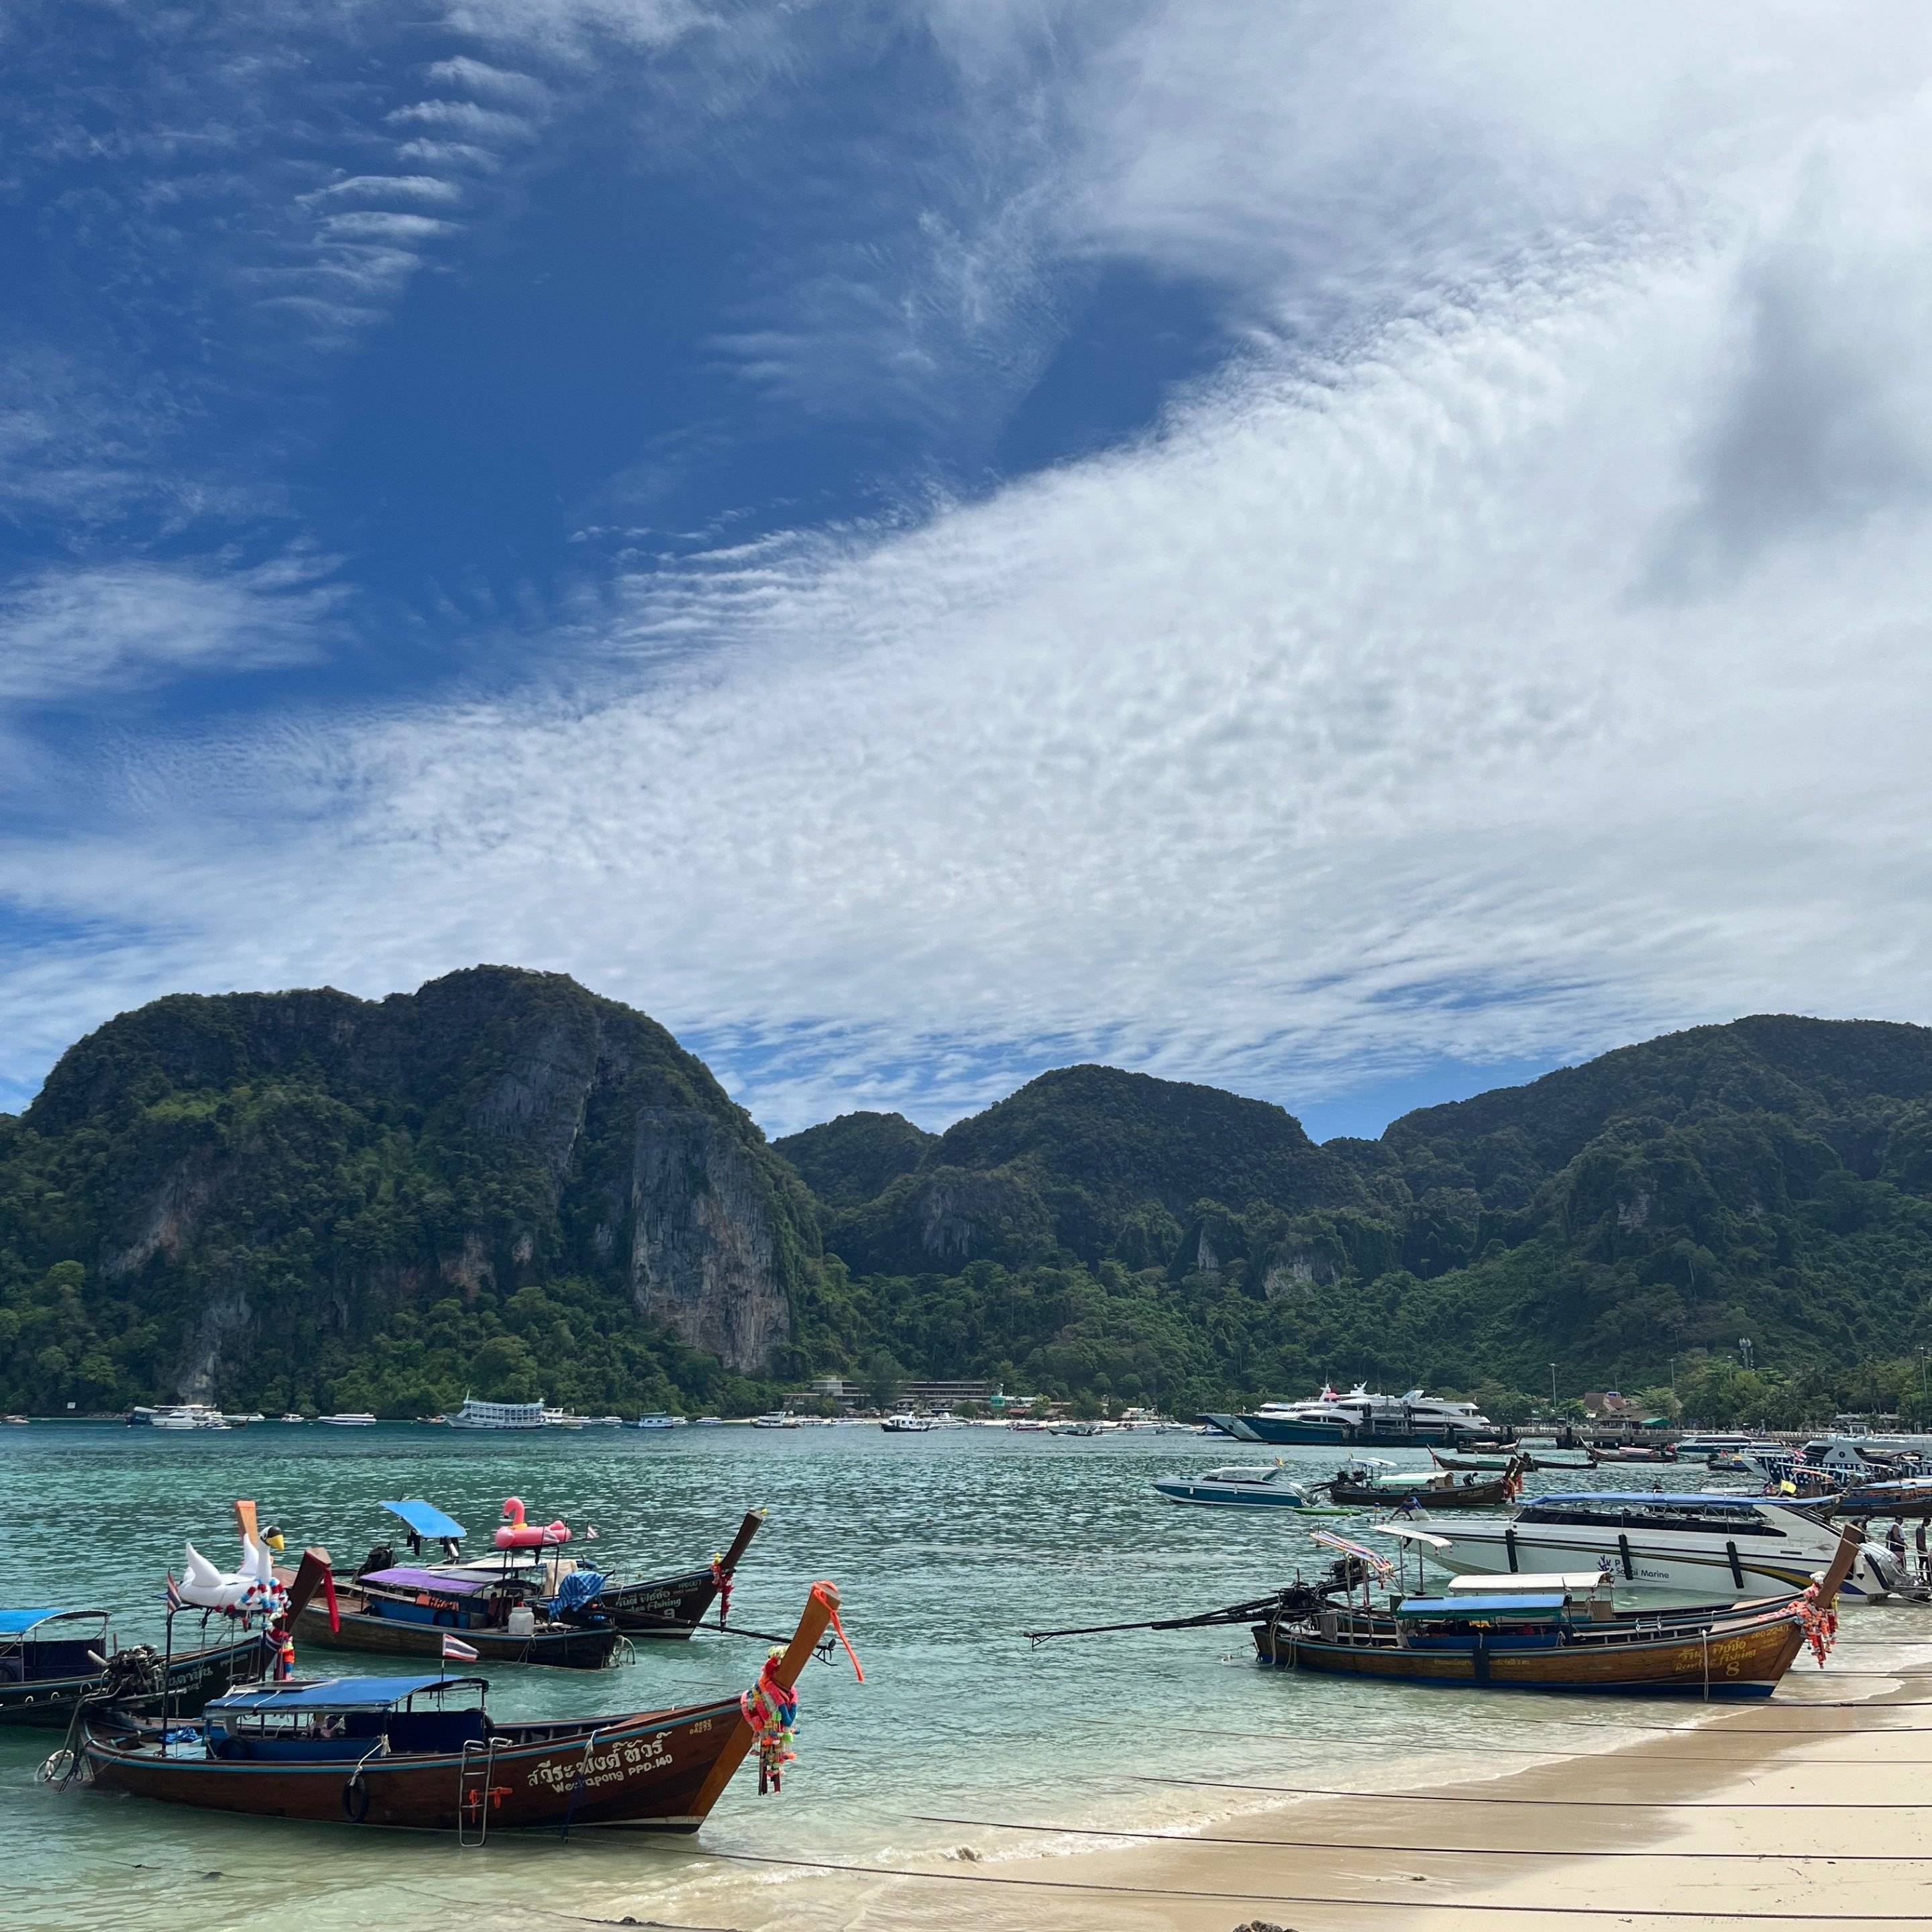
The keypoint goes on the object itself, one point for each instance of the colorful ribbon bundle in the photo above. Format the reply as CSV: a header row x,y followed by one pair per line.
x,y
720,1580
771,1709
1820,1624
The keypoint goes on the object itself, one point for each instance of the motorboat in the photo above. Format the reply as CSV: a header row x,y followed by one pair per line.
x,y
775,1419
424,1752
1258,1485
1686,1542
359,1418
475,1415
185,1415
657,1420
292,1416
908,1425
1359,1419
564,1418
1368,1482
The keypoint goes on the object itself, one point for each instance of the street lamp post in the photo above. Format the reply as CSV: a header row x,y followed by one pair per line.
x,y
1553,1389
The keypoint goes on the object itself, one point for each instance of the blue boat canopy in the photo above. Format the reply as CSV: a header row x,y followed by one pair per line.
x,y
1656,1499
336,1693
426,1520
1522,1605
16,1623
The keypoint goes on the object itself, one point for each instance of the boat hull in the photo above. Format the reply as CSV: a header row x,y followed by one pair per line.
x,y
194,1677
671,1607
1392,1496
1488,1550
656,1770
1178,1489
1743,1660
574,1648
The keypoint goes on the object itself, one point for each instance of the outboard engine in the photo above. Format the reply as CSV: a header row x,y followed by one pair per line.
x,y
383,1557
134,1671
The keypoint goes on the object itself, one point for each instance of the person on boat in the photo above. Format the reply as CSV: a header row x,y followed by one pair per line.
x,y
1895,1540
1924,1555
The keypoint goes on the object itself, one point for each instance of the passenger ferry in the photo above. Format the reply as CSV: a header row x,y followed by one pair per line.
x,y
475,1415
1712,1545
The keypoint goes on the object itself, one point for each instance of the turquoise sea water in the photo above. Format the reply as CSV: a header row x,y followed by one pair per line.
x,y
946,1546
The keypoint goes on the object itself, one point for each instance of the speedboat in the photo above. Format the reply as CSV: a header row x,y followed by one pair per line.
x,y
908,1425
1265,1485
1702,1543
359,1418
776,1419
657,1420
182,1415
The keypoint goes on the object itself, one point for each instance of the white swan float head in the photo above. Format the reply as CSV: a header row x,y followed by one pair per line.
x,y
251,1590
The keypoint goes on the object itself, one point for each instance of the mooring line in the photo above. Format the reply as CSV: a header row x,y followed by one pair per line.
x,y
1592,1803
1449,1851
1553,1750
1837,1917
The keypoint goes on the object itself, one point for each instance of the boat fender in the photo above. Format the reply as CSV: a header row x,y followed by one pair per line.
x,y
1623,1551
1737,1568
355,1799
1509,1544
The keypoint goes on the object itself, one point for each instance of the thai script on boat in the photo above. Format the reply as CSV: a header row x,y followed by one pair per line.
x,y
611,1765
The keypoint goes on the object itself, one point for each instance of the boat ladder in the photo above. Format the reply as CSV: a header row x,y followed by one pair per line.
x,y
473,1790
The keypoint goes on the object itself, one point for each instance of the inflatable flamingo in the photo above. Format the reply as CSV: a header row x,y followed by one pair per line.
x,y
516,1534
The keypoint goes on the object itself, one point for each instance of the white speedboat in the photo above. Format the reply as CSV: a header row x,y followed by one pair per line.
x,y
657,1420
1711,1545
776,1419
564,1418
292,1416
1360,1419
182,1415
359,1418
908,1425
475,1415
1263,1486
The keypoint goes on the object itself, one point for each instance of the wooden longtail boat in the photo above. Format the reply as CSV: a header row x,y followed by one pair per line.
x,y
392,1751
1526,1638
51,1659
407,1611
1431,1489
674,1606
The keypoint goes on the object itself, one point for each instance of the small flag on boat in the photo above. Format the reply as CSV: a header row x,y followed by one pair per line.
x,y
1373,1559
590,1532
174,1592
456,1652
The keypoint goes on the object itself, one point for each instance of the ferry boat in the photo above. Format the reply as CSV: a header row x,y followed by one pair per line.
x,y
1686,1541
1360,1419
475,1415
658,1419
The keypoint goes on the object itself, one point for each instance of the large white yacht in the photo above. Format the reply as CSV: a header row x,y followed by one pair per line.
x,y
475,1415
1714,1545
1359,1419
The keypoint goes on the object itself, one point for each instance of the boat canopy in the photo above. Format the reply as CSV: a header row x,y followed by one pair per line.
x,y
1534,1582
1652,1499
337,1693
407,1576
17,1623
1519,1607
426,1520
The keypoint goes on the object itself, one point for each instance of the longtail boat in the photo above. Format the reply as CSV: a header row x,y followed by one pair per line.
x,y
1556,1637
425,1752
1369,1483
671,1605
51,1659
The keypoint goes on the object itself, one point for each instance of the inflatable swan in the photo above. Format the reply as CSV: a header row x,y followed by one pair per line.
x,y
516,1534
252,1588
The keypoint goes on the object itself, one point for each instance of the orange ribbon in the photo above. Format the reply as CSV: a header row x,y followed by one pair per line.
x,y
826,1596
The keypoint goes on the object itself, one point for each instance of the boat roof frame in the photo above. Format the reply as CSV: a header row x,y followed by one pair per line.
x,y
24,1623
334,1693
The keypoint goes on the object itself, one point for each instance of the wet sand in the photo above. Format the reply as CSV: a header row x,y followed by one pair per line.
x,y
1849,1789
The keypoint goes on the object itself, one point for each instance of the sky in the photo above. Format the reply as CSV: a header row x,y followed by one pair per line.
x,y
1354,554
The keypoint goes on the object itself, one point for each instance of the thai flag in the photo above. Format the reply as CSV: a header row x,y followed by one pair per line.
x,y
456,1652
174,1592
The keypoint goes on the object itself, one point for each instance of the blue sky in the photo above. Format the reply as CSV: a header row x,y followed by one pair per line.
x,y
1353,556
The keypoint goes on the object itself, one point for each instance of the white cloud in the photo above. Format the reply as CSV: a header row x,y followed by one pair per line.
x,y
1522,649
464,117
390,187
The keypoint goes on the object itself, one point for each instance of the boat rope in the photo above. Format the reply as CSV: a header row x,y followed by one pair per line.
x,y
1446,1851
1552,1750
1584,1804
1836,1917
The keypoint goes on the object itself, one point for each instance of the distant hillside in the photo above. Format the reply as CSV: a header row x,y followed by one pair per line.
x,y
501,1182
1770,1181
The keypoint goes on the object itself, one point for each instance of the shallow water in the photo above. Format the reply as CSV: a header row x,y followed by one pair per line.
x,y
946,1546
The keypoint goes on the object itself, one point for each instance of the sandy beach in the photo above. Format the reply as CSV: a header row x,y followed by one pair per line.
x,y
1815,1807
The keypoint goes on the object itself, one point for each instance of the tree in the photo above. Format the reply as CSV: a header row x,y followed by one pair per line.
x,y
884,1378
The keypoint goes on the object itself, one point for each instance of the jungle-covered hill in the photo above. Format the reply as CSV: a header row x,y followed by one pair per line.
x,y
505,1185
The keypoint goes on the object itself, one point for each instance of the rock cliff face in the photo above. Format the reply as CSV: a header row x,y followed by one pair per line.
x,y
256,1176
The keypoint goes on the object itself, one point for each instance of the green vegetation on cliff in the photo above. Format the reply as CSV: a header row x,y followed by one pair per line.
x,y
503,1185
